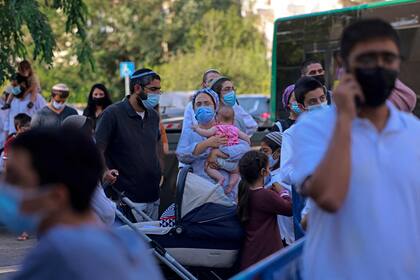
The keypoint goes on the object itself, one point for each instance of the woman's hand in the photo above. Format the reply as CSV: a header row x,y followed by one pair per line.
x,y
216,141
212,159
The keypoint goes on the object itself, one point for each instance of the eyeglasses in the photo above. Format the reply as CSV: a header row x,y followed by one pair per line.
x,y
371,59
154,89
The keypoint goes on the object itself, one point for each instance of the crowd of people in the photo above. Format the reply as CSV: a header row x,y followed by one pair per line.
x,y
350,150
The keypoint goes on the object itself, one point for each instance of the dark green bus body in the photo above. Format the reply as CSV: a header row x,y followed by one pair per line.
x,y
317,36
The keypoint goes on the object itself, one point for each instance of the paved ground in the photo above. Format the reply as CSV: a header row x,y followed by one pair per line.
x,y
12,252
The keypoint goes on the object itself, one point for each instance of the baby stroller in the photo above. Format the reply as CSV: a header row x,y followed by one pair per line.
x,y
206,236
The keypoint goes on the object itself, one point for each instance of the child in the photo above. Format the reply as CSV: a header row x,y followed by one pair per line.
x,y
271,147
258,208
25,69
22,124
225,118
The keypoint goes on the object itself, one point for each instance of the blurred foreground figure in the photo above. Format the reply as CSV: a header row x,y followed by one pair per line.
x,y
51,177
358,161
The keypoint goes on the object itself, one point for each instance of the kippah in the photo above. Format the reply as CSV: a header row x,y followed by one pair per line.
x,y
275,136
60,87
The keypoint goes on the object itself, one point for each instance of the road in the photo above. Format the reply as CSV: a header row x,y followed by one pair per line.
x,y
12,252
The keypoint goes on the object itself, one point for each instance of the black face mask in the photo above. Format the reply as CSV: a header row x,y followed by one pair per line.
x,y
98,101
320,78
376,83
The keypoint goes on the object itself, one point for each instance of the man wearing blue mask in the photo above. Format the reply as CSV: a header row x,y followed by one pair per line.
x,y
128,134
310,94
50,195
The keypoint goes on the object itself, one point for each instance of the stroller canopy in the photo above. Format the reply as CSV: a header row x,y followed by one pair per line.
x,y
194,191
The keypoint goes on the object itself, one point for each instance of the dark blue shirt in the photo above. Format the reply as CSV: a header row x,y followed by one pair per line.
x,y
129,143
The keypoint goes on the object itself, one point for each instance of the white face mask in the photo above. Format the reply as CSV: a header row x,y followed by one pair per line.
x,y
323,105
57,105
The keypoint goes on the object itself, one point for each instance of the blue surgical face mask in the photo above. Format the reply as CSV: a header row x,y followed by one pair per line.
x,y
58,105
267,179
152,100
295,108
230,98
16,90
272,161
318,106
204,114
10,215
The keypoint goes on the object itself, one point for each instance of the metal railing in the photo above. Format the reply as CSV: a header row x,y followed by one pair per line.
x,y
284,265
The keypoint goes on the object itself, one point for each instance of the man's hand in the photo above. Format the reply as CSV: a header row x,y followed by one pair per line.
x,y
216,141
345,96
110,176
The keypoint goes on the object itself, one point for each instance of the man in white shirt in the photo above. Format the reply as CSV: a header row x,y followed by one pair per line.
x,y
310,95
359,162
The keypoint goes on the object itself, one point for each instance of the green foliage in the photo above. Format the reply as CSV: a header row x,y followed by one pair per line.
x,y
24,23
223,40
179,39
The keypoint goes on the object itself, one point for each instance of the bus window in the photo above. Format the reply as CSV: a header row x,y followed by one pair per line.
x,y
317,35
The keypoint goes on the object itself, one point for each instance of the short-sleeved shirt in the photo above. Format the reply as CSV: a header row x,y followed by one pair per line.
x,y
89,252
229,131
20,105
376,232
129,143
48,118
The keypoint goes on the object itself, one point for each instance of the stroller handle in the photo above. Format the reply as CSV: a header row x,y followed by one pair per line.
x,y
127,201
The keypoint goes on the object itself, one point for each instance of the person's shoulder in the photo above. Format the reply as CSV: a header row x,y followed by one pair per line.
x,y
44,111
411,121
315,120
71,110
113,108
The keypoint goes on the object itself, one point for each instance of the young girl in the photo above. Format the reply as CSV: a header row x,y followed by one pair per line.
x,y
25,69
258,208
225,118
271,147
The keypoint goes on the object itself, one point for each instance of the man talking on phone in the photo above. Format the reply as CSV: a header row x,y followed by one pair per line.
x,y
358,161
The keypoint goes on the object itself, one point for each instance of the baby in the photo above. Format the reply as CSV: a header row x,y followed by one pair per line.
x,y
224,127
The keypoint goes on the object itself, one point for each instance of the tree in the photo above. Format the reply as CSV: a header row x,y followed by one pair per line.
x,y
225,40
24,22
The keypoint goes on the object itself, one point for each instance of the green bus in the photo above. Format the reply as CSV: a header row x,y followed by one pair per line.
x,y
317,35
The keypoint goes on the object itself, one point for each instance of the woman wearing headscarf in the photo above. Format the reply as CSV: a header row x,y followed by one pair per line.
x,y
290,105
225,90
189,117
197,150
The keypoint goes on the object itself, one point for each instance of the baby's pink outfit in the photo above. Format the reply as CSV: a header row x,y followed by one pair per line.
x,y
229,131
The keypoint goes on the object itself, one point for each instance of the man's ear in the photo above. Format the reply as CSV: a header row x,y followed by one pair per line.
x,y
137,88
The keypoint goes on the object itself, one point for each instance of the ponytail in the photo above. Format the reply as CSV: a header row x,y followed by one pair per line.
x,y
250,167
243,202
